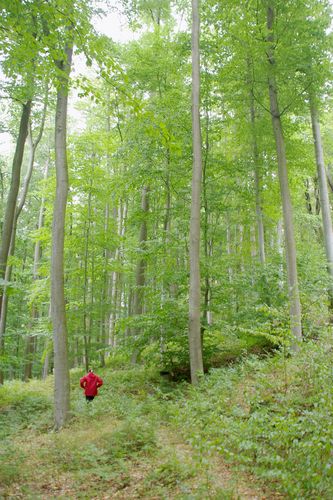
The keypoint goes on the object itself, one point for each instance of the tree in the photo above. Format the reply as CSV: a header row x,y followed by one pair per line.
x,y
58,308
295,305
194,250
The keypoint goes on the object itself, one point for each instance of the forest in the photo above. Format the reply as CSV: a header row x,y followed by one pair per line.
x,y
166,194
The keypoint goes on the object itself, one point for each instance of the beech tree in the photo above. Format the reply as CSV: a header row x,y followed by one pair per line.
x,y
194,292
295,305
61,368
19,30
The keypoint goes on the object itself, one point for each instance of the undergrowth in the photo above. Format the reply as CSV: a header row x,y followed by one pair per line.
x,y
271,417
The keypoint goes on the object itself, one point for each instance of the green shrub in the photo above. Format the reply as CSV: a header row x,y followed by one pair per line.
x,y
11,461
273,417
131,438
25,410
170,473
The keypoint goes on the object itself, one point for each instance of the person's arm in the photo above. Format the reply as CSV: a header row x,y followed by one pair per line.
x,y
99,382
83,382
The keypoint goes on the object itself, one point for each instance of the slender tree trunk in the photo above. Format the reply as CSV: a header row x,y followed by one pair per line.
x,y
294,300
206,241
4,302
308,203
92,289
141,265
259,216
45,369
329,178
323,194
167,217
58,311
14,188
47,354
229,250
118,215
123,297
9,217
86,318
140,276
104,294
194,332
31,341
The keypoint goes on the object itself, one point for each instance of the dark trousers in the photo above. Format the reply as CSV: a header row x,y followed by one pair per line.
x,y
89,398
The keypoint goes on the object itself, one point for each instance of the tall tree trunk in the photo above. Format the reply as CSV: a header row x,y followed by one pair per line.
x,y
48,352
323,194
9,217
194,331
259,216
104,296
58,311
329,178
46,360
86,317
206,242
229,250
294,300
31,341
33,146
118,215
140,275
167,217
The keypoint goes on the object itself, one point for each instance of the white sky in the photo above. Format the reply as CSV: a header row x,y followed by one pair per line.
x,y
114,25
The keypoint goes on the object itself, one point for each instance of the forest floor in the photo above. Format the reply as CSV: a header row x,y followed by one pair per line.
x,y
168,471
69,464
126,452
234,437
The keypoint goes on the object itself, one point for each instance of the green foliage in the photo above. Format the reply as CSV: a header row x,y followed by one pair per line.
x,y
172,472
24,406
271,417
265,331
11,463
133,437
134,130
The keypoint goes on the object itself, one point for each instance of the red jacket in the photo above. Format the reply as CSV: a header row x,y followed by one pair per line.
x,y
90,384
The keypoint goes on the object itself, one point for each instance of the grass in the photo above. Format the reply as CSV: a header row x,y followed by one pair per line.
x,y
118,445
262,427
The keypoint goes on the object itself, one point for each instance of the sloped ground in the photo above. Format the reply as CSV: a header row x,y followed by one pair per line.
x,y
103,459
120,446
262,429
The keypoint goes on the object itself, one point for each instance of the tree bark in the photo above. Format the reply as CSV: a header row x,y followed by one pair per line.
x,y
324,199
30,341
8,271
259,215
194,332
86,317
13,191
207,243
140,276
294,300
58,310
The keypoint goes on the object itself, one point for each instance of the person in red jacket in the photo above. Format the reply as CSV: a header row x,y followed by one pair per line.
x,y
90,383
